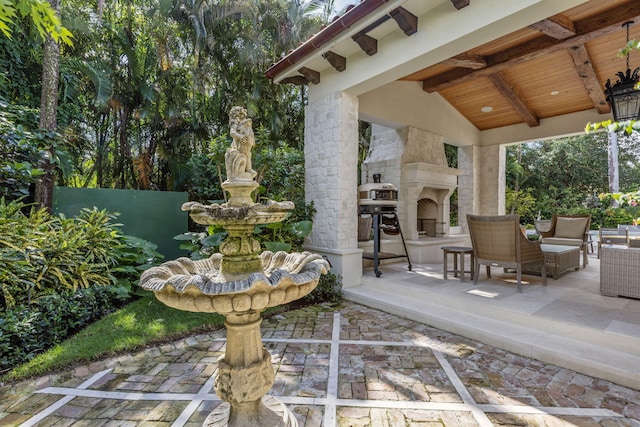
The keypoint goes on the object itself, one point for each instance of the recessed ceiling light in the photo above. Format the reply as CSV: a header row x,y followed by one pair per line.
x,y
486,109
554,92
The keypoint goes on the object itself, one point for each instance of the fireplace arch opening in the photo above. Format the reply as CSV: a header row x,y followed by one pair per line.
x,y
427,216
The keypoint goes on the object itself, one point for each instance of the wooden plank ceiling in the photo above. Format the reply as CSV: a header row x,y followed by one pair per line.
x,y
554,67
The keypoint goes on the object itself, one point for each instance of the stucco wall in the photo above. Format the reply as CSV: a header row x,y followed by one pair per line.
x,y
401,104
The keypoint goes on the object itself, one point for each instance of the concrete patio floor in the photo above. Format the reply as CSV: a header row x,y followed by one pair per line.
x,y
567,323
349,365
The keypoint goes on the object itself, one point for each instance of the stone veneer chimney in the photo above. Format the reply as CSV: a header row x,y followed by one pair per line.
x,y
414,160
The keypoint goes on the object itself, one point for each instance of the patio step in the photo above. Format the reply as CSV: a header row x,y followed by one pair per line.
x,y
590,351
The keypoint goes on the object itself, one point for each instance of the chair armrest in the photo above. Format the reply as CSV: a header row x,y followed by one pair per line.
x,y
549,233
530,250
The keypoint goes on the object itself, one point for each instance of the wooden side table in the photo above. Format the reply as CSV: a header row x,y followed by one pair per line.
x,y
457,251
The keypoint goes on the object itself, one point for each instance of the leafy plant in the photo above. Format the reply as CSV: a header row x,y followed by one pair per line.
x,y
284,235
133,256
329,289
42,254
28,330
43,16
20,155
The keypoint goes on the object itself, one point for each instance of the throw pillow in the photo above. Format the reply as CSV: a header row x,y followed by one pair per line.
x,y
570,228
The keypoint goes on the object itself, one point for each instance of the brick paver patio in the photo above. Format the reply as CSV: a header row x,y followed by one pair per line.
x,y
349,366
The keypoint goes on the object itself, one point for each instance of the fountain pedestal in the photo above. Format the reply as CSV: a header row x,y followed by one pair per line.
x,y
241,190
239,283
245,375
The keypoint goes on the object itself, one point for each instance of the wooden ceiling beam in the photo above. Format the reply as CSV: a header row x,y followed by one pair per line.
x,y
295,80
466,60
510,92
587,74
367,43
559,27
586,30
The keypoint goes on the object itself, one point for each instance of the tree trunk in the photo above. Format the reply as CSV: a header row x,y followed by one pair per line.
x,y
614,177
48,114
516,180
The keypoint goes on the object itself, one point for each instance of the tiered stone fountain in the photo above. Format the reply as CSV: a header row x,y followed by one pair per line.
x,y
239,283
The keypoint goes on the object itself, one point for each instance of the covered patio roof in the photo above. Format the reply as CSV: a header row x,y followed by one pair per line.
x,y
498,65
476,74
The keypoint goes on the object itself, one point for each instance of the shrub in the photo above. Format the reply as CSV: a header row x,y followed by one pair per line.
x,y
27,330
41,254
329,289
21,150
611,217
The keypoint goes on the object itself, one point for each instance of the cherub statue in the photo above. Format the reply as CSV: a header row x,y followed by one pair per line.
x,y
238,157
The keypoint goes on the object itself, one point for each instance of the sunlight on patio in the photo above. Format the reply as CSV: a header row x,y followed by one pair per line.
x,y
483,294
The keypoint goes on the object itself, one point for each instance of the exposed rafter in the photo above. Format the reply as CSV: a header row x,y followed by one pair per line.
x,y
589,78
507,90
367,43
337,61
586,30
559,27
311,75
407,21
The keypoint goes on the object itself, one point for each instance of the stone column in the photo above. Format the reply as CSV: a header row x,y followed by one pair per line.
x,y
331,167
481,186
467,194
491,164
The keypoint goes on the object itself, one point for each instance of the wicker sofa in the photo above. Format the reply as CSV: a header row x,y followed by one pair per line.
x,y
624,234
569,230
612,236
620,271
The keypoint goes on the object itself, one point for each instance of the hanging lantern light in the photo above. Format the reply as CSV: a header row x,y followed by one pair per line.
x,y
622,96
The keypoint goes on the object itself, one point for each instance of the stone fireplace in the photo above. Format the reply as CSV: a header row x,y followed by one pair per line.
x,y
414,160
424,193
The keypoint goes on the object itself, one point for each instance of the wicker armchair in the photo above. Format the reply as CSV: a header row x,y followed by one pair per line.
x,y
498,242
569,230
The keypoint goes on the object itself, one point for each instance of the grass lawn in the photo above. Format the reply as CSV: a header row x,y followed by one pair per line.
x,y
143,322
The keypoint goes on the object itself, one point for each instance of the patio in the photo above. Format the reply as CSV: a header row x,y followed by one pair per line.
x,y
354,365
567,323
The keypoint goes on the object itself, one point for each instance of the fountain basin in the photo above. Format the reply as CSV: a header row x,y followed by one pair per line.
x,y
230,214
199,286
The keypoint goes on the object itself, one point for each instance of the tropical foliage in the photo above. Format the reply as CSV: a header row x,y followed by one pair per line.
x,y
147,84
43,254
27,330
568,175
42,15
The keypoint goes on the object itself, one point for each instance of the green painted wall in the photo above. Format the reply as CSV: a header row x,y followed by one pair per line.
x,y
151,215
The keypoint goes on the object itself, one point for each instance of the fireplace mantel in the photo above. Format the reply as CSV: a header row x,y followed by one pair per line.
x,y
430,175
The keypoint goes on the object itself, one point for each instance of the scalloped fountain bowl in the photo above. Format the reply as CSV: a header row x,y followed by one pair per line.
x,y
197,286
